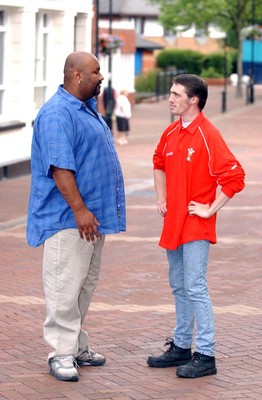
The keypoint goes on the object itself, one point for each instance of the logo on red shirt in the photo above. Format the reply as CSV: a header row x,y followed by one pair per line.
x,y
190,152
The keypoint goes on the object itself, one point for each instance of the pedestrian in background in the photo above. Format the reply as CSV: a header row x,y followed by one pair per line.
x,y
123,115
77,196
109,103
190,161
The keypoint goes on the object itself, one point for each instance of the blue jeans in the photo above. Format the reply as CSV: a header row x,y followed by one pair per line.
x,y
187,278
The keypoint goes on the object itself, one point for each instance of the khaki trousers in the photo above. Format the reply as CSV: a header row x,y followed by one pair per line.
x,y
71,268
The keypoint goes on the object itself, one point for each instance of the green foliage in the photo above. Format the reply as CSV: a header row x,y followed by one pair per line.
x,y
146,82
187,60
234,56
232,39
210,72
216,62
211,65
229,15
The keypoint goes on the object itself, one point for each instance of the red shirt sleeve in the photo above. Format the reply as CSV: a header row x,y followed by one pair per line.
x,y
158,157
224,165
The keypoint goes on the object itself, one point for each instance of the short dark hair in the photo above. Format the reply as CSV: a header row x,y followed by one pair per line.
x,y
194,86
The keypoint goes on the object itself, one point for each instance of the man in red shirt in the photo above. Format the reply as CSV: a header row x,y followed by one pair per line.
x,y
190,161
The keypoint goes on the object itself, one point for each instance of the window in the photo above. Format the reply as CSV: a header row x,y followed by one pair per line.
x,y
2,43
42,27
140,25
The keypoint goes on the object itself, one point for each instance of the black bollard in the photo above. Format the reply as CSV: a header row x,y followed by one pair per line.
x,y
224,101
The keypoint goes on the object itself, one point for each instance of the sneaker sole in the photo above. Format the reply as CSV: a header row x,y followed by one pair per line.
x,y
212,371
168,365
64,378
90,363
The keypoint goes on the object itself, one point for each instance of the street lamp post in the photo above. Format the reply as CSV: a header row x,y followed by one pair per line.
x,y
110,89
224,93
97,26
110,33
252,77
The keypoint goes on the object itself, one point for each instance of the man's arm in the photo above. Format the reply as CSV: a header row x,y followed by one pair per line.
x,y
160,186
86,222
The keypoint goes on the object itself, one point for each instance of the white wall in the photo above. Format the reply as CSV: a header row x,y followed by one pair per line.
x,y
123,74
20,40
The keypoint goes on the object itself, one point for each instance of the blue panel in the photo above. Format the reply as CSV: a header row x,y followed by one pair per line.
x,y
138,62
248,51
247,66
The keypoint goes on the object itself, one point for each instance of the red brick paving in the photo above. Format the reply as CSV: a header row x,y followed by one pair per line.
x,y
132,310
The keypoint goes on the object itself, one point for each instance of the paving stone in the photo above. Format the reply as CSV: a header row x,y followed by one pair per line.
x,y
132,311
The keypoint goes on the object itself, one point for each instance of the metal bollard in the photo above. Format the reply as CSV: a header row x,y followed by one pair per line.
x,y
224,101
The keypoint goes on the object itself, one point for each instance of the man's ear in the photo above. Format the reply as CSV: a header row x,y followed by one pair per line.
x,y
194,100
77,74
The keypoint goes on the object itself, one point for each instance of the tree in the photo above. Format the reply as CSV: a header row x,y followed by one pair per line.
x,y
229,15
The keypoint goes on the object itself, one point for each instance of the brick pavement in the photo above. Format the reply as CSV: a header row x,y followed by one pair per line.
x,y
132,311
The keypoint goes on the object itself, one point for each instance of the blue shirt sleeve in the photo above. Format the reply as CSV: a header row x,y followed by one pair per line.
x,y
56,135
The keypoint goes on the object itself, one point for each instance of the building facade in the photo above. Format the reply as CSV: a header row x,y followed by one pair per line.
x,y
35,38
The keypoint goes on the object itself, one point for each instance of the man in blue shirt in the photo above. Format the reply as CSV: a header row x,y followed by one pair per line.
x,y
77,196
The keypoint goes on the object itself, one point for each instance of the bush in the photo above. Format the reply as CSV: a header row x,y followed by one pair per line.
x,y
187,60
210,72
146,82
216,62
193,62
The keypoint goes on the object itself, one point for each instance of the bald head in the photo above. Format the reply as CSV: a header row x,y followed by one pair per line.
x,y
77,60
82,77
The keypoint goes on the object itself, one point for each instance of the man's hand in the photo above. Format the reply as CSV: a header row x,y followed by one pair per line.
x,y
86,221
201,210
206,210
87,224
160,185
162,209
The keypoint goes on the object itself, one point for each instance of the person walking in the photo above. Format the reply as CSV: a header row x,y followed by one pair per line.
x,y
123,115
190,161
76,198
109,104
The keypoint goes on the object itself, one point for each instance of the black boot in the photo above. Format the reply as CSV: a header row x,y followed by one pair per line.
x,y
173,357
200,365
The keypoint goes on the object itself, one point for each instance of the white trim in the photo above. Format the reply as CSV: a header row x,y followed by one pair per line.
x,y
208,151
169,133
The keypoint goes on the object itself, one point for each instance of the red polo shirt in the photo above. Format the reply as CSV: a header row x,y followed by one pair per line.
x,y
195,160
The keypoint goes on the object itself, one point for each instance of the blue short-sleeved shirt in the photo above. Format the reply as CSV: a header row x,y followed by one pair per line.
x,y
68,135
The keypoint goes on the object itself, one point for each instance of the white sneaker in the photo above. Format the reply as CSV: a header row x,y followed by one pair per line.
x,y
122,141
89,357
63,368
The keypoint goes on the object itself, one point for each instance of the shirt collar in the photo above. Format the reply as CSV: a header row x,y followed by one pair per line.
x,y
76,102
194,124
